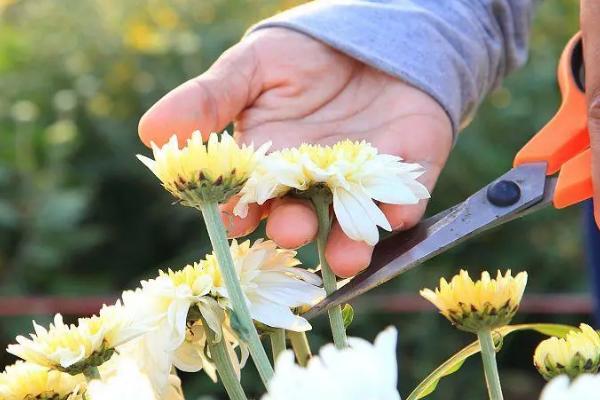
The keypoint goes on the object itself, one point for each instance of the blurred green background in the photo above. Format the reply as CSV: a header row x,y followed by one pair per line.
x,y
80,216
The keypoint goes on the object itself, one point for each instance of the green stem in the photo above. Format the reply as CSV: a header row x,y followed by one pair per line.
x,y
240,318
301,347
91,373
277,342
329,282
488,354
220,356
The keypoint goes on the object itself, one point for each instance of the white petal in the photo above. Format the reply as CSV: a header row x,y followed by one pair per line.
x,y
148,162
187,359
390,191
277,316
288,291
358,216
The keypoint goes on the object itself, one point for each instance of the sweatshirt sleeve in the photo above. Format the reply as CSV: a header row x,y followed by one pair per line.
x,y
454,50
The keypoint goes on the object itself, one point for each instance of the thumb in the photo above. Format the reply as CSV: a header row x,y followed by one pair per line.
x,y
206,103
590,26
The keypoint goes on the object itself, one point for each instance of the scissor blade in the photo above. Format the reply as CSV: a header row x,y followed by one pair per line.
x,y
399,253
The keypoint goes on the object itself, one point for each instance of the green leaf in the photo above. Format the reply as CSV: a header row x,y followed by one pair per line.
x,y
347,315
453,364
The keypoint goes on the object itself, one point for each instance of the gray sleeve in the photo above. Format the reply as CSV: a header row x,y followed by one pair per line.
x,y
454,50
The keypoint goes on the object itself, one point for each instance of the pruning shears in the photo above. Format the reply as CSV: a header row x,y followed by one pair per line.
x,y
554,167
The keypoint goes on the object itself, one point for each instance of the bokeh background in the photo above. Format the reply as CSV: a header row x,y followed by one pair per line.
x,y
79,216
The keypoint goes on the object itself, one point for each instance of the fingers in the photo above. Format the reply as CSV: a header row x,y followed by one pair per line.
x,y
345,256
208,102
292,223
590,26
236,226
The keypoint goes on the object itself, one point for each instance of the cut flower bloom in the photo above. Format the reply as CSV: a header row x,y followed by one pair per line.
x,y
576,354
199,172
361,371
484,304
355,174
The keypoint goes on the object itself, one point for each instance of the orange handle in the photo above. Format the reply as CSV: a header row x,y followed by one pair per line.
x,y
566,134
574,181
562,143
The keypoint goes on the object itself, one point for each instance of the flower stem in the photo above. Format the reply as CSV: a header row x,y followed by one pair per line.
x,y
301,347
91,373
220,356
336,321
277,342
240,318
488,354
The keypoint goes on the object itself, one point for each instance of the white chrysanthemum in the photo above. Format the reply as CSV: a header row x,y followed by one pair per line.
x,y
272,284
202,172
355,174
585,387
169,298
24,380
72,348
361,371
124,381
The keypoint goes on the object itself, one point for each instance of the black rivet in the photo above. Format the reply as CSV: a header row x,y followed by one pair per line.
x,y
504,193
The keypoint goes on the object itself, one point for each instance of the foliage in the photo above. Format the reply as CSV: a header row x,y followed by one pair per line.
x,y
80,216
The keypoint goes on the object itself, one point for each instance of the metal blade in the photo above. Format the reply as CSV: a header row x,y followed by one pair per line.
x,y
399,253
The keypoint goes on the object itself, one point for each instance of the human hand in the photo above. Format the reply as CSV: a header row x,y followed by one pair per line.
x,y
590,27
281,86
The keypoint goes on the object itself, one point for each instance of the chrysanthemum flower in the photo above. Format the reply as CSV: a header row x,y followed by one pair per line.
x,y
199,172
585,387
487,303
272,283
361,371
576,354
353,172
90,343
23,380
181,302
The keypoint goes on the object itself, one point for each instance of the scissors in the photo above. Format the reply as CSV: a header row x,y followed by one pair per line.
x,y
554,167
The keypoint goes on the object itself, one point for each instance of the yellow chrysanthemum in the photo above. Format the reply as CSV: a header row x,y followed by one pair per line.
x,y
486,303
576,354
199,172
353,173
73,348
23,381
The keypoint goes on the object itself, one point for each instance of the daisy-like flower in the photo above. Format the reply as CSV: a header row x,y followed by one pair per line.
x,y
485,304
24,380
354,173
199,172
181,302
90,343
578,353
361,371
271,282
585,387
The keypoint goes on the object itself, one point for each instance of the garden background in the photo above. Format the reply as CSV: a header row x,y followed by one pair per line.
x,y
80,216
